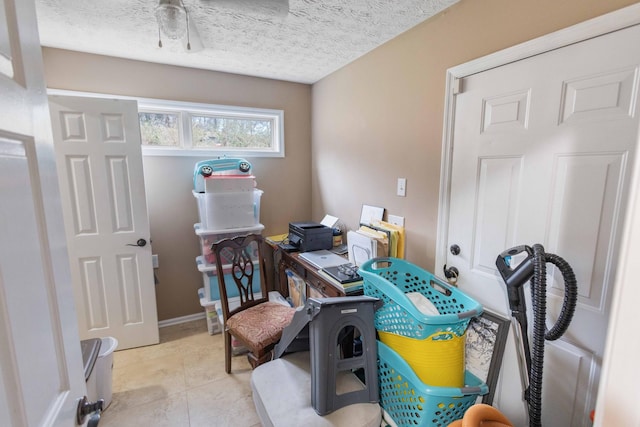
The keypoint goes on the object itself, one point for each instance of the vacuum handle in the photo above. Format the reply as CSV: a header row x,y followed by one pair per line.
x,y
514,279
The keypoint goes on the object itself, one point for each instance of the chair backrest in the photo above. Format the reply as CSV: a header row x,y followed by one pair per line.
x,y
240,265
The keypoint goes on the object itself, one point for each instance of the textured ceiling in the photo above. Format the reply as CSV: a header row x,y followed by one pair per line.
x,y
251,37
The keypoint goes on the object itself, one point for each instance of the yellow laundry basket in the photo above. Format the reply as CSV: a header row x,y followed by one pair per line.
x,y
437,360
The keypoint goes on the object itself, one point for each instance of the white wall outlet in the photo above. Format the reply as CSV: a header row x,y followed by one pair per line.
x,y
395,220
402,187
154,260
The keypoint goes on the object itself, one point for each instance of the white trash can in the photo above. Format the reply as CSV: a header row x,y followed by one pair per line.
x,y
104,370
90,351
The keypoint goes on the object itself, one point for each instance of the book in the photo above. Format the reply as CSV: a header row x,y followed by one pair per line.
x,y
278,238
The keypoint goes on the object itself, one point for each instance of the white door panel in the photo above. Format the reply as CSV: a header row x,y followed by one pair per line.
x,y
41,368
100,163
579,369
540,155
27,306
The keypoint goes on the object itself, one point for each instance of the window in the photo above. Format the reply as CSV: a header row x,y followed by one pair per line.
x,y
188,129
160,129
236,132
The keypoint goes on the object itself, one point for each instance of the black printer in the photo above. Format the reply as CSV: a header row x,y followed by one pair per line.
x,y
310,236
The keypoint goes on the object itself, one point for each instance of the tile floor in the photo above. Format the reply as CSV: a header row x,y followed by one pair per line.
x,y
180,382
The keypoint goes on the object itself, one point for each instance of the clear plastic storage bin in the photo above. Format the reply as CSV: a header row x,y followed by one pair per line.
x,y
210,281
224,210
209,237
229,183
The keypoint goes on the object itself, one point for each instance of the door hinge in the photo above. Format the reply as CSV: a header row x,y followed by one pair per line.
x,y
457,85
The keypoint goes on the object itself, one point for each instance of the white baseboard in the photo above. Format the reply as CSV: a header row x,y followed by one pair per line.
x,y
233,301
182,319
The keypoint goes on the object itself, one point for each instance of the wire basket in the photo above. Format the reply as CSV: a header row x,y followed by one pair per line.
x,y
389,279
410,402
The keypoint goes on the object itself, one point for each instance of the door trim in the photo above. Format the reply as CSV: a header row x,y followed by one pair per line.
x,y
613,21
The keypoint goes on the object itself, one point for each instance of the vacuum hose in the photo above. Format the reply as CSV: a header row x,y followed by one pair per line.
x,y
540,333
534,268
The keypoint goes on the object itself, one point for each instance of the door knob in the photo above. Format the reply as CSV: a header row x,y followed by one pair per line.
x,y
455,249
451,274
86,408
141,243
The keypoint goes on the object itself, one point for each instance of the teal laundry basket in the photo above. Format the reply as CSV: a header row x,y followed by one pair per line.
x,y
410,402
390,279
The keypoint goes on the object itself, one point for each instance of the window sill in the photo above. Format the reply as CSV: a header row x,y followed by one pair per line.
x,y
179,152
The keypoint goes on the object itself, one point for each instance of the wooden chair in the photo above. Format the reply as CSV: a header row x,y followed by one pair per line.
x,y
256,322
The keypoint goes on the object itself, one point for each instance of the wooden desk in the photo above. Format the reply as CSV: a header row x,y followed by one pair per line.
x,y
308,273
316,283
317,286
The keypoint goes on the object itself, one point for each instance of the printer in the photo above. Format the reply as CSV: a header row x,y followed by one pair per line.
x,y
310,236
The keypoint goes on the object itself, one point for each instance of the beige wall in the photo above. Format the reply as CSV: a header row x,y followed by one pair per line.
x,y
168,180
375,120
381,117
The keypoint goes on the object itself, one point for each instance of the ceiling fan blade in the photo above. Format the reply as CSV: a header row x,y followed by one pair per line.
x,y
273,8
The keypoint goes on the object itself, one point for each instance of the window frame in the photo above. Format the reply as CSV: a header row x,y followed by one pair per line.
x,y
185,111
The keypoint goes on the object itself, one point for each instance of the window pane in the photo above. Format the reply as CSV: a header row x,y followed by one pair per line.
x,y
231,132
159,129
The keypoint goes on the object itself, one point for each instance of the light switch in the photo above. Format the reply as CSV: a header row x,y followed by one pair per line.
x,y
402,187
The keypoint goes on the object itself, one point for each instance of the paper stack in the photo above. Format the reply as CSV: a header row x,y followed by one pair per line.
x,y
379,239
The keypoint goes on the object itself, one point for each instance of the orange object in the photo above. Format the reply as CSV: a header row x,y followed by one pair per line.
x,y
482,415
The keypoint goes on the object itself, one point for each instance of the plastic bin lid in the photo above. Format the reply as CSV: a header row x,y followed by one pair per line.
x,y
90,351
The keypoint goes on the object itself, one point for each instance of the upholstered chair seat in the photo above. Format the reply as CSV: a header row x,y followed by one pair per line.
x,y
260,326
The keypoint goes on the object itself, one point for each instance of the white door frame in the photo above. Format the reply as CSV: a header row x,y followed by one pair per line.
x,y
617,396
595,27
41,364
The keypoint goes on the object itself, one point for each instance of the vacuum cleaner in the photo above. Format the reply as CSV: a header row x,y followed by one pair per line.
x,y
533,268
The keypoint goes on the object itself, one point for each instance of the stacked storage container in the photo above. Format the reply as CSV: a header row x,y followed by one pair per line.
x,y
228,206
421,327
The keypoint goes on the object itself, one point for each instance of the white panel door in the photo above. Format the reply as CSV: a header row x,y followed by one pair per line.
x,y
99,157
41,375
541,155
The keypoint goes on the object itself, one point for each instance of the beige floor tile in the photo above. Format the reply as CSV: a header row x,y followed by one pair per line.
x,y
225,402
171,411
202,367
174,340
180,382
148,380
